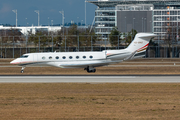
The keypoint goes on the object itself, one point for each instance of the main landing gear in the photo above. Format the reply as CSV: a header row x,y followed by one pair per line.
x,y
90,69
22,70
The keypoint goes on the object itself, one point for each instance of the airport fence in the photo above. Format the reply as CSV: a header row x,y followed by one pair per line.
x,y
15,46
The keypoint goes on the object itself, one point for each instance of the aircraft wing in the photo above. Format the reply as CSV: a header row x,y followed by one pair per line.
x,y
92,64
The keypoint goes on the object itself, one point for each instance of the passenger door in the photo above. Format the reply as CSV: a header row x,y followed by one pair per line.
x,y
35,58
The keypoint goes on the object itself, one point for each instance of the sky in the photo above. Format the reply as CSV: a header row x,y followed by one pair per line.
x,y
73,10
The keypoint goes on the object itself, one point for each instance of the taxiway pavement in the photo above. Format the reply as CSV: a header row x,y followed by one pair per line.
x,y
89,79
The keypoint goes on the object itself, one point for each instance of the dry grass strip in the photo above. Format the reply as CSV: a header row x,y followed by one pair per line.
x,y
100,71
90,101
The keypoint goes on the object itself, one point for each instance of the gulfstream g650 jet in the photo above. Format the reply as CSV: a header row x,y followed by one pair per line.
x,y
87,60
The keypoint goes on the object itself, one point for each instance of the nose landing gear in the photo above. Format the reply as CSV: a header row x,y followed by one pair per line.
x,y
22,70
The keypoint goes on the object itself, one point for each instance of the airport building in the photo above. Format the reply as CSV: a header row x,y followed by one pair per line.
x,y
33,29
141,15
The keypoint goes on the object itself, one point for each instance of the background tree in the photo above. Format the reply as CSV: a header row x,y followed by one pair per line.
x,y
170,36
34,38
75,35
12,34
168,39
58,39
86,37
72,36
46,38
115,36
130,36
9,38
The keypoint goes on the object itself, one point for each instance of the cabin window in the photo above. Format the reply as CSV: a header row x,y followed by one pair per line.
x,y
64,57
91,56
24,56
50,57
84,57
70,57
43,58
77,57
57,57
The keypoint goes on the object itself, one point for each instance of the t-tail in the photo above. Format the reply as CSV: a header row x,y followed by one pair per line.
x,y
139,45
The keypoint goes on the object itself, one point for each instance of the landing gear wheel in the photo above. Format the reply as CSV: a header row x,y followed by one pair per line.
x,y
22,70
90,69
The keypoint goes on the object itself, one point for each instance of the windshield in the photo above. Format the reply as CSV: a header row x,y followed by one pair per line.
x,y
24,56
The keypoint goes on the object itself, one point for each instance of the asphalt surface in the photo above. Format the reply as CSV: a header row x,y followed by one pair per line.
x,y
89,79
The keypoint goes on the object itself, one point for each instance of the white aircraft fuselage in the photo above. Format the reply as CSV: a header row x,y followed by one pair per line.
x,y
87,60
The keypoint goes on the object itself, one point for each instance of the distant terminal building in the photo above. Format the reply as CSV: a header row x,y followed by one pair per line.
x,y
33,29
141,15
25,30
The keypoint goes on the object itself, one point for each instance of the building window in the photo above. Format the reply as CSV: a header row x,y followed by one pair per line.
x,y
157,24
57,57
157,19
105,13
64,57
77,57
43,58
105,19
70,57
91,56
173,12
50,57
157,12
84,57
165,12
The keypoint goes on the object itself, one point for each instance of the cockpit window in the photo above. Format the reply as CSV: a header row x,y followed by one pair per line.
x,y
24,56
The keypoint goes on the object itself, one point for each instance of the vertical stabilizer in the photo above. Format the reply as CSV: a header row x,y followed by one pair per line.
x,y
140,44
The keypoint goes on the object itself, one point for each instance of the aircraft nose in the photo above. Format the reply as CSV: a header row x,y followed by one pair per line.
x,y
14,62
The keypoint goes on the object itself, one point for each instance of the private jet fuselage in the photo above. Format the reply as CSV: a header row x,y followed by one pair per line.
x,y
87,60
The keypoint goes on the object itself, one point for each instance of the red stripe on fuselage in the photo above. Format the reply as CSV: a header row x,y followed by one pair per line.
x,y
23,62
